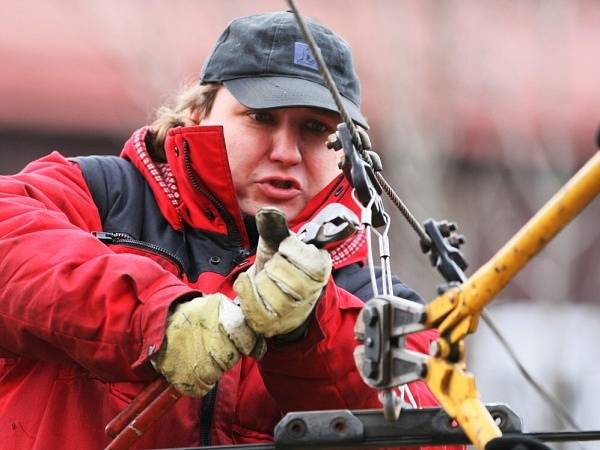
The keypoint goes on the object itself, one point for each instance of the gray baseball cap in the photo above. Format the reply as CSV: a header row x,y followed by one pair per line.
x,y
264,62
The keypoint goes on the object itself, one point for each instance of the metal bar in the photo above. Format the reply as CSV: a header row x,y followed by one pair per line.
x,y
552,436
138,426
337,429
138,404
565,436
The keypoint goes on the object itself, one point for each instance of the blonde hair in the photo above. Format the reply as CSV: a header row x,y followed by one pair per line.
x,y
176,113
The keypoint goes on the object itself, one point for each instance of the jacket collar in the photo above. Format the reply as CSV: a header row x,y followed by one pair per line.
x,y
158,176
194,188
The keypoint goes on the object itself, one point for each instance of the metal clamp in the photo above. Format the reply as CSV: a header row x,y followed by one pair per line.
x,y
333,223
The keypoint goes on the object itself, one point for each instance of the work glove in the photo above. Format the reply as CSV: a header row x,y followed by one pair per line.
x,y
278,293
205,337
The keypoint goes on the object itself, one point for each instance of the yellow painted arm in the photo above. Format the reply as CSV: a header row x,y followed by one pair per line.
x,y
456,391
456,312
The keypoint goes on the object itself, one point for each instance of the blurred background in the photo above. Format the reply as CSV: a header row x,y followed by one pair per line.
x,y
481,110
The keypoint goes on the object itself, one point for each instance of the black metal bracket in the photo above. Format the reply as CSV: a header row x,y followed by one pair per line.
x,y
444,251
345,429
428,426
361,176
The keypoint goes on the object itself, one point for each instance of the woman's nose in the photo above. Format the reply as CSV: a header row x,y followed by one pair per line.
x,y
286,147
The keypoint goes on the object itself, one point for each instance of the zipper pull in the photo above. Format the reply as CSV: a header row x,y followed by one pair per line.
x,y
242,256
109,237
104,236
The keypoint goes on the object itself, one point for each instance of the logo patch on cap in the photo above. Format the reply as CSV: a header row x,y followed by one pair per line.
x,y
303,56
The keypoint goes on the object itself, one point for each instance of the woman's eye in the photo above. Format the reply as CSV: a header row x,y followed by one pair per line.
x,y
262,116
316,126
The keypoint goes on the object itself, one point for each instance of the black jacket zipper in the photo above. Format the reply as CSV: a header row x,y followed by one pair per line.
x,y
126,239
206,415
208,402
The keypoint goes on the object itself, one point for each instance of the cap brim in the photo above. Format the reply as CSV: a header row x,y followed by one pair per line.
x,y
285,92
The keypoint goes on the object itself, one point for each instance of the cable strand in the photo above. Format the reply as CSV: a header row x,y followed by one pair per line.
x,y
399,204
326,74
559,409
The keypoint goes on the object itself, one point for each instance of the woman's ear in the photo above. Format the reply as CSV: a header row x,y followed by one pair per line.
x,y
195,117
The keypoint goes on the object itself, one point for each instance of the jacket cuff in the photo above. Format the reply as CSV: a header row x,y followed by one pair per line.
x,y
280,348
154,318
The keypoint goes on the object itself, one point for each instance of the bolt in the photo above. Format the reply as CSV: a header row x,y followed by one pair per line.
x,y
499,418
370,316
434,348
338,425
333,142
369,342
297,427
446,227
456,241
370,368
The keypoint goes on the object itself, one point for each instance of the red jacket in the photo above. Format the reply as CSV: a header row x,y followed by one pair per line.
x,y
79,319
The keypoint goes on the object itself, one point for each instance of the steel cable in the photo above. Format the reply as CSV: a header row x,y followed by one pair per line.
x,y
559,409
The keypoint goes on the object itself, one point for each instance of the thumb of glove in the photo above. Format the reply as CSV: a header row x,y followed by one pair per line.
x,y
272,228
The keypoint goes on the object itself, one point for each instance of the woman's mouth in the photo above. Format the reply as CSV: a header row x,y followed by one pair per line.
x,y
280,188
281,184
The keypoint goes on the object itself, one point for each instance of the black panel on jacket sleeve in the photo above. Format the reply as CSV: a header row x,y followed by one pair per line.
x,y
355,279
127,204
116,186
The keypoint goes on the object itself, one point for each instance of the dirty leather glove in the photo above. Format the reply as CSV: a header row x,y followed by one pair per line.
x,y
278,293
204,338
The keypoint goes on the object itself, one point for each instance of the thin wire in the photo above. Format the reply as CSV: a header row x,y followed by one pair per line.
x,y
369,229
559,409
384,253
397,201
365,220
411,399
324,70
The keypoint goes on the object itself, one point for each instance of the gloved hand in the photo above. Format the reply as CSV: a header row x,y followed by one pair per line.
x,y
204,338
278,293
